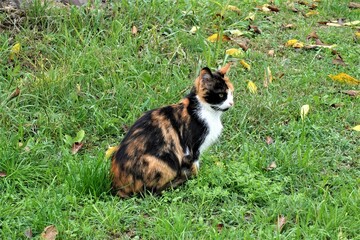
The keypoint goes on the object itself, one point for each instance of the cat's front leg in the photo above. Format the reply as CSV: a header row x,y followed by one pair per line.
x,y
195,168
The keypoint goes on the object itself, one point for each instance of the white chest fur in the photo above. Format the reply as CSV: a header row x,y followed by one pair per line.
x,y
212,119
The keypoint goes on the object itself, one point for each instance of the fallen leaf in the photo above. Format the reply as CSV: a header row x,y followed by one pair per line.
x,y
219,227
352,93
267,77
338,60
298,45
255,29
14,94
273,8
331,24
252,87
344,78
236,33
281,221
251,16
353,23
291,42
242,42
234,52
233,8
110,151
357,34
215,37
312,35
337,105
2,174
356,128
354,5
271,166
304,111
49,233
271,52
264,8
76,147
269,140
288,26
311,13
194,29
78,89
28,233
134,30
14,50
245,64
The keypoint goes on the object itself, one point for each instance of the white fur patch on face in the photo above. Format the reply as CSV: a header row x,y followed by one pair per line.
x,y
229,102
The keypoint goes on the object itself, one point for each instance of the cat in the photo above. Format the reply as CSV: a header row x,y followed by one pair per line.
x,y
161,150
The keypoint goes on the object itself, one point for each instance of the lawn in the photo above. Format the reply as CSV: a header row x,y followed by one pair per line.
x,y
274,174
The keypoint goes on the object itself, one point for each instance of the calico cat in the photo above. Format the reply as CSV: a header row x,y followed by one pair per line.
x,y
162,148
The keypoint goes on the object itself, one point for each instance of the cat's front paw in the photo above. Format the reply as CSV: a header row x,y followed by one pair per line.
x,y
195,168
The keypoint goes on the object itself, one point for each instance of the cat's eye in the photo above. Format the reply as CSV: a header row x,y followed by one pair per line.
x,y
221,95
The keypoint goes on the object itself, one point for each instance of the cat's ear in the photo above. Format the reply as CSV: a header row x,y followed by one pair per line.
x,y
205,74
224,69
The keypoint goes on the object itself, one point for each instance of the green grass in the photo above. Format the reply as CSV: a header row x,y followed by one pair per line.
x,y
83,69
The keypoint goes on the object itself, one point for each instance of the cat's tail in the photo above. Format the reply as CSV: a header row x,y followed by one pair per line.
x,y
110,152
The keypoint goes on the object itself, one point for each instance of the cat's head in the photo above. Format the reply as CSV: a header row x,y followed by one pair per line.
x,y
214,89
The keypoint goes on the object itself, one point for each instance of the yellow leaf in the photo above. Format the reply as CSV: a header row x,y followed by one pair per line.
x,y
251,16
110,151
291,42
213,38
245,65
233,8
304,111
234,52
298,45
194,29
216,37
15,50
357,34
252,87
344,78
311,13
356,128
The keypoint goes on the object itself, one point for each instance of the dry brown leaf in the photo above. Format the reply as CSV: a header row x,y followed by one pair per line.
x,y
354,5
352,93
14,94
288,26
219,227
134,30
271,166
269,140
338,60
242,42
337,105
49,233
273,8
281,221
312,35
76,147
2,174
255,29
344,78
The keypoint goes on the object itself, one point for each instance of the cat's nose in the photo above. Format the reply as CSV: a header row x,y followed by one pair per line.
x,y
231,103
